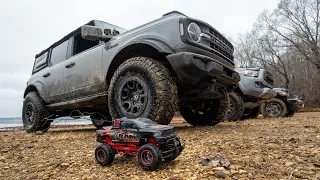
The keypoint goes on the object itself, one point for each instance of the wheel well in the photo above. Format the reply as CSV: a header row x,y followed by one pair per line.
x,y
136,50
30,88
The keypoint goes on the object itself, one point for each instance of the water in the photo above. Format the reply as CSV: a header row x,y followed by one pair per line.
x,y
17,121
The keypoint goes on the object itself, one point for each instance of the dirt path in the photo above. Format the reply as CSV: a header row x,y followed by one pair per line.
x,y
258,148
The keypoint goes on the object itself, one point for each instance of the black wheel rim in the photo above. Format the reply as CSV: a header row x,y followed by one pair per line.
x,y
133,96
147,157
232,107
29,114
101,155
273,109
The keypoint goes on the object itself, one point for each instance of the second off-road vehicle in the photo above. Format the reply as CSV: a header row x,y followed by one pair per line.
x,y
141,137
102,70
255,87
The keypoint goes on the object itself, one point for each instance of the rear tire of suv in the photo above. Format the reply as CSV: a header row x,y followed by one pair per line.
x,y
274,108
34,113
236,107
251,113
99,120
142,87
206,113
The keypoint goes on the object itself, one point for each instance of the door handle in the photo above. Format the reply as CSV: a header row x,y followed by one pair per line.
x,y
46,75
70,65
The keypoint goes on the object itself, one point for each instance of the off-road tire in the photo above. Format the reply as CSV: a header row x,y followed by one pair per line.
x,y
155,153
104,154
39,113
99,122
276,101
251,113
238,107
217,111
162,96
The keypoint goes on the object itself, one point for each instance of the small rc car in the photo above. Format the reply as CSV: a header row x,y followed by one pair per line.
x,y
140,137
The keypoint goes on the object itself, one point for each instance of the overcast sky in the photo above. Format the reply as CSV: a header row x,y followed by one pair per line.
x,y
29,26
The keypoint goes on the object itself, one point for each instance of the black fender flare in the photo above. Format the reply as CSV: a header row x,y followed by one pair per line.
x,y
38,87
160,46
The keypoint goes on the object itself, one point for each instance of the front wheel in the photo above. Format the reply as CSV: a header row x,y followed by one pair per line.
x,y
274,108
104,154
149,156
206,113
142,87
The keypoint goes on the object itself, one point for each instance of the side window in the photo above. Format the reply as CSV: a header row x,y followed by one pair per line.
x,y
81,45
40,62
59,53
130,125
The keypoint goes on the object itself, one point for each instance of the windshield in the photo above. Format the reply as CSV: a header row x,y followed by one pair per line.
x,y
105,25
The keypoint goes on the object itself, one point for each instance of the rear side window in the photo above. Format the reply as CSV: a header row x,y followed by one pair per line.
x,y
59,53
40,62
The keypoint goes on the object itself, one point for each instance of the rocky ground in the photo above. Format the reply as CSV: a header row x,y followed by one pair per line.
x,y
287,148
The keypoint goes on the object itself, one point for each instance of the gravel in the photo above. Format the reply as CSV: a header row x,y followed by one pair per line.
x,y
258,148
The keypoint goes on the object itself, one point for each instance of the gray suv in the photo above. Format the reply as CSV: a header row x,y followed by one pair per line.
x,y
151,71
255,87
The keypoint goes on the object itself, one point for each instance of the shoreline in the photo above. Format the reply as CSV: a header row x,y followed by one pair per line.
x,y
20,128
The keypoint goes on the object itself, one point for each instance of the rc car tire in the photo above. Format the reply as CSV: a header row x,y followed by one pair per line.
x,y
267,112
214,112
236,107
142,87
149,156
34,113
104,154
251,113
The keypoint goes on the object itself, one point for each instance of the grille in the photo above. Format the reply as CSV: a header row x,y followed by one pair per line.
x,y
220,45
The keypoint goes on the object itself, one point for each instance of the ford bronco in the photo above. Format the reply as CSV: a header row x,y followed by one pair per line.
x,y
174,62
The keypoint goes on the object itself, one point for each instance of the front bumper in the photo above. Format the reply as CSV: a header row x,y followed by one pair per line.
x,y
172,147
295,104
191,68
250,87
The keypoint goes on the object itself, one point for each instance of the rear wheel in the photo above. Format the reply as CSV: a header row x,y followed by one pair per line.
x,y
251,113
236,107
142,87
104,154
100,121
149,156
274,108
34,113
206,113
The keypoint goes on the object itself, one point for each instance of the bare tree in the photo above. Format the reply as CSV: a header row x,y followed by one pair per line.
x,y
297,22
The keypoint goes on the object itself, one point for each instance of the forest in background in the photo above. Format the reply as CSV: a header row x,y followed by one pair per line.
x,y
286,43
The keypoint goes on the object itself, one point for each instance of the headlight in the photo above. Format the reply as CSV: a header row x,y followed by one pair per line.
x,y
249,73
282,93
194,32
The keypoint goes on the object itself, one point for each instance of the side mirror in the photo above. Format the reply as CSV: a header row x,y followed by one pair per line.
x,y
93,33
